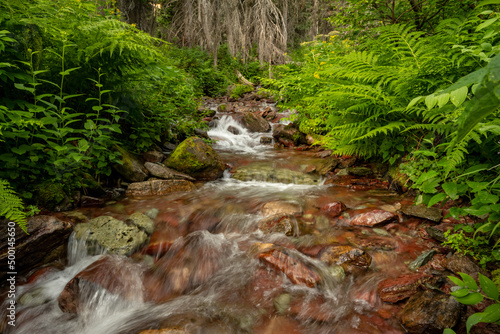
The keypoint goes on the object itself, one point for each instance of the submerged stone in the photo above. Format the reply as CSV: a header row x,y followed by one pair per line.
x,y
256,172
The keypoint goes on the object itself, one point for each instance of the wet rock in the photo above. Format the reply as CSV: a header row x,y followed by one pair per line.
x,y
373,242
293,268
189,263
117,275
153,156
163,172
131,168
169,146
264,287
359,171
280,325
46,242
204,219
328,165
281,208
282,303
393,290
162,239
266,140
111,234
142,221
323,154
333,209
165,331
197,159
288,135
462,264
201,133
87,201
422,211
373,218
257,172
422,259
352,260
430,312
278,224
233,130
435,233
347,161
158,187
255,123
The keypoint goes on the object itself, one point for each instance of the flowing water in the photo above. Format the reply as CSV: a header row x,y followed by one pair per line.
x,y
202,274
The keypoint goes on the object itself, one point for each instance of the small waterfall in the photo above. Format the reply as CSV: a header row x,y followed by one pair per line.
x,y
233,137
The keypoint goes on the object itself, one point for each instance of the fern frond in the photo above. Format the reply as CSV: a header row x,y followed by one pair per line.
x,y
11,206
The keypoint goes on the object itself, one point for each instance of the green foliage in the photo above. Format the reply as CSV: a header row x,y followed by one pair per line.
x,y
74,80
11,206
467,292
238,90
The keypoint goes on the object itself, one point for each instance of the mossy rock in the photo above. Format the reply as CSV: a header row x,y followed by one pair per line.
x,y
131,168
50,196
197,159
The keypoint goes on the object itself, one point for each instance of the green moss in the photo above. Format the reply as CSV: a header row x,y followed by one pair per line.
x,y
239,90
495,275
49,195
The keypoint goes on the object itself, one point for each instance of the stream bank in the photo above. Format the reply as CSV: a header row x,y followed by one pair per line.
x,y
288,240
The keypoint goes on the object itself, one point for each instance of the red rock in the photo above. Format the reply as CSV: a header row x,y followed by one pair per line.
x,y
278,224
158,187
294,269
393,290
280,325
317,308
373,242
265,286
40,273
162,239
430,312
353,260
373,218
116,274
333,209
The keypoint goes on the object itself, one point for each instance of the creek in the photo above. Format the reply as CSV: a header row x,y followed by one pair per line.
x,y
214,270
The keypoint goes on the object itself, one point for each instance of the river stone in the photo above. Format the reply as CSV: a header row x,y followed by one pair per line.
x,y
373,218
131,168
293,268
281,208
462,264
116,274
158,187
255,123
328,165
256,172
197,159
288,135
153,156
352,260
392,290
278,224
142,221
163,172
421,211
266,140
359,171
111,234
46,242
430,312
422,259
333,209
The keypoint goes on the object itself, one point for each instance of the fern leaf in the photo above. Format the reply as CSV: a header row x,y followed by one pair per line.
x,y
11,206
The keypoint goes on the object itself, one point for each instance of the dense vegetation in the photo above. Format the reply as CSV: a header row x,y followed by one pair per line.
x,y
425,100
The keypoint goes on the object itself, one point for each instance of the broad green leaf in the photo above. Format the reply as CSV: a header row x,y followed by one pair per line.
x,y
485,101
491,313
474,319
449,331
488,2
459,95
460,293
436,199
429,186
443,99
489,288
469,281
470,299
487,23
451,190
457,281
430,101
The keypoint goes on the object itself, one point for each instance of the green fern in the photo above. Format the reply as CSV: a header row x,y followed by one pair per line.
x,y
11,206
